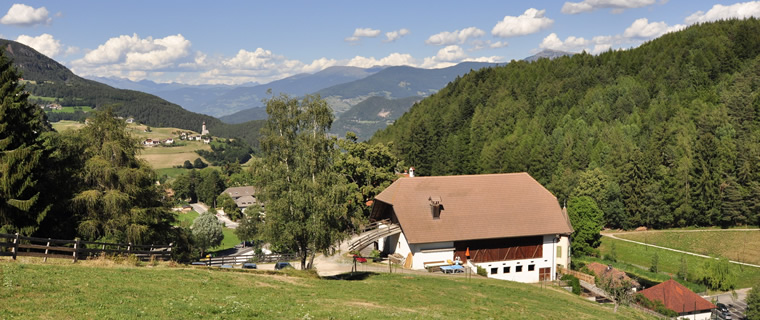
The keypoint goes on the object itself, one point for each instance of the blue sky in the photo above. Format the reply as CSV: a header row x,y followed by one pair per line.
x,y
235,42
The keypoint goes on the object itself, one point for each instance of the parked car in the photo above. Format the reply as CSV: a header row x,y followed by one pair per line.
x,y
721,307
282,265
249,265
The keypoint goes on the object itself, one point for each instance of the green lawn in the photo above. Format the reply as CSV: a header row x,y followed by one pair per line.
x,y
82,291
735,245
72,109
670,262
229,241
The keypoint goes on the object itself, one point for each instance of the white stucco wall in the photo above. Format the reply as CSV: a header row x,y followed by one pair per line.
x,y
698,316
429,252
564,245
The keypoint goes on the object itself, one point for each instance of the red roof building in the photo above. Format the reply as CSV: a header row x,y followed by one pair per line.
x,y
680,299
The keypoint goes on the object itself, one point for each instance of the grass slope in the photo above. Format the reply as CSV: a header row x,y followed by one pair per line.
x,y
735,245
74,291
670,262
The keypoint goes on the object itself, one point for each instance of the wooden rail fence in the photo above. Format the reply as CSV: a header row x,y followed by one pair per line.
x,y
235,260
16,245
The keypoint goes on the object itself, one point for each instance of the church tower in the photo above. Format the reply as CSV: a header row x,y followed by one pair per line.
x,y
204,131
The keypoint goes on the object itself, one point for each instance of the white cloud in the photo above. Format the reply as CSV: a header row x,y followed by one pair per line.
x,y
643,29
44,43
393,59
395,35
455,37
717,12
25,16
133,52
532,21
363,33
571,43
617,6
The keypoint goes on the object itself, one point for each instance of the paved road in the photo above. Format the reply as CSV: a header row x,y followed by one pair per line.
x,y
201,208
614,236
736,306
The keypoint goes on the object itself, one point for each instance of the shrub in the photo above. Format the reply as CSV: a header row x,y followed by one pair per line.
x,y
482,271
657,305
573,282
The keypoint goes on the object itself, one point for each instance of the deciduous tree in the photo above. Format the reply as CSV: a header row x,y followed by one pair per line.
x,y
304,197
587,221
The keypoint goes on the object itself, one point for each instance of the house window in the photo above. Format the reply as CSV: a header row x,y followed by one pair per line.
x,y
531,267
518,268
494,270
559,251
506,269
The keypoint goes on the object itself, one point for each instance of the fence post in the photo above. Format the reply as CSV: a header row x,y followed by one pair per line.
x,y
76,250
15,246
46,250
171,244
129,247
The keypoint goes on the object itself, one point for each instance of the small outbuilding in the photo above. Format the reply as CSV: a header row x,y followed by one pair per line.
x,y
680,299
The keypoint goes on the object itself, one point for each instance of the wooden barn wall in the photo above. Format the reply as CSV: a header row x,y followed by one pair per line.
x,y
500,249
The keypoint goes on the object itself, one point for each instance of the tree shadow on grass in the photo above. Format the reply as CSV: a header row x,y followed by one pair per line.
x,y
352,276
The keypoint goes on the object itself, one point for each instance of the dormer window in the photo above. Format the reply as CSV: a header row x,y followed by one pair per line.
x,y
435,206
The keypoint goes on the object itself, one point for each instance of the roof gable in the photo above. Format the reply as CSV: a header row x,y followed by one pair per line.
x,y
676,297
485,206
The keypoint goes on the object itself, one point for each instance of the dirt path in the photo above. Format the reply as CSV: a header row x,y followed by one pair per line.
x,y
614,236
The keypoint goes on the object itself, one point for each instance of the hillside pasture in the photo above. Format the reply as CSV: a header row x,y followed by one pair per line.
x,y
99,290
169,156
73,109
64,125
670,261
735,245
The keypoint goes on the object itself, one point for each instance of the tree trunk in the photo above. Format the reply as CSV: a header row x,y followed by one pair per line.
x,y
311,260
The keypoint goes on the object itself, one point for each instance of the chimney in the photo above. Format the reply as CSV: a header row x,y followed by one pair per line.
x,y
435,207
411,172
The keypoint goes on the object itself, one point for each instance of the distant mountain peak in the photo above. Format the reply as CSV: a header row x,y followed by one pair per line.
x,y
548,53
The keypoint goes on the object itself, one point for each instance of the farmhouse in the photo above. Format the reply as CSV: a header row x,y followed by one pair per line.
x,y
243,196
508,224
680,299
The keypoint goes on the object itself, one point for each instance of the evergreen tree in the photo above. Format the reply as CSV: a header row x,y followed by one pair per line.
x,y
22,208
119,200
209,186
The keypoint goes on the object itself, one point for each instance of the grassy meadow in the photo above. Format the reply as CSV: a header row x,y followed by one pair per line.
x,y
732,244
64,125
101,290
670,262
229,241
72,109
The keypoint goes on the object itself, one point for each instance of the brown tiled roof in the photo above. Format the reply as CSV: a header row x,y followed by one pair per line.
x,y
676,297
485,206
618,276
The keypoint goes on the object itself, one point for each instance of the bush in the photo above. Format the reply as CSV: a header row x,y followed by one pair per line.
x,y
573,282
657,306
482,271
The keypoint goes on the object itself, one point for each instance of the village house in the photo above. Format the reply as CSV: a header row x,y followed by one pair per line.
x,y
130,120
169,141
618,277
508,224
680,299
243,196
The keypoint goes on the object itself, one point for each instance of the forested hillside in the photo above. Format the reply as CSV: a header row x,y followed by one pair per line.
x,y
663,135
45,77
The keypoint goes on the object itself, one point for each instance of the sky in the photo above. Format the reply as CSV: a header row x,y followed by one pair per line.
x,y
236,42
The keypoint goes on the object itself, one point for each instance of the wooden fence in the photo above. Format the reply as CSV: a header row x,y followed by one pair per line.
x,y
235,260
580,275
76,249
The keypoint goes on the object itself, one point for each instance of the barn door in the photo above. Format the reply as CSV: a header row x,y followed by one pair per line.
x,y
545,274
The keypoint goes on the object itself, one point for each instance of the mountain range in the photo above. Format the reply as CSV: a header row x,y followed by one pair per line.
x,y
44,78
